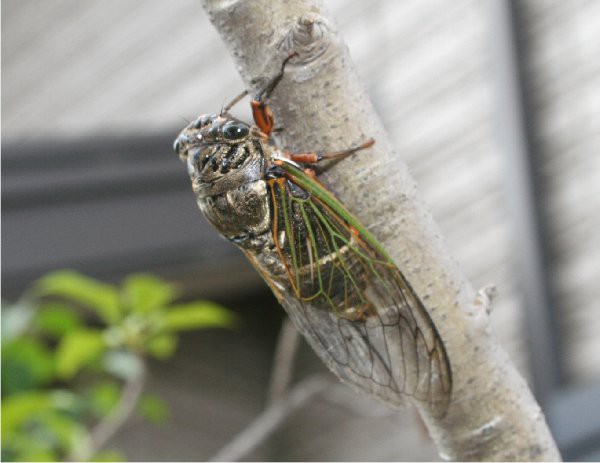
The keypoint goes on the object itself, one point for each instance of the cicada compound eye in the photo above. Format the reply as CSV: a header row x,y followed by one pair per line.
x,y
233,130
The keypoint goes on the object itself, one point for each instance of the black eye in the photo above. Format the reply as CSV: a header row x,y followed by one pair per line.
x,y
176,145
234,130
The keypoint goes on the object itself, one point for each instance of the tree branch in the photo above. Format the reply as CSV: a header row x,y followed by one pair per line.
x,y
323,106
271,417
110,424
283,361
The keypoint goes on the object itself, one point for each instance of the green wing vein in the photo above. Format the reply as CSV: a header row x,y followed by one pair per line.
x,y
352,303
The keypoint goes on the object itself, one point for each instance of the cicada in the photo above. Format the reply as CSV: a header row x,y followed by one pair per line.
x,y
339,286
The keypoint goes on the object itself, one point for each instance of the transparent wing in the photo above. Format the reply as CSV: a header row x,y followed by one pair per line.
x,y
351,302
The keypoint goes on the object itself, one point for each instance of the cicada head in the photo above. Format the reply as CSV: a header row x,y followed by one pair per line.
x,y
219,147
225,159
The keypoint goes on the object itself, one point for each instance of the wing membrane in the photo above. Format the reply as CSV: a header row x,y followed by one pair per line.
x,y
351,302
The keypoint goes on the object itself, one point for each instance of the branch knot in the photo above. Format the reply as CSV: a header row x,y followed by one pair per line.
x,y
311,37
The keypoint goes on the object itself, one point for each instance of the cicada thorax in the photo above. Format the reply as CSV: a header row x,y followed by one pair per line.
x,y
236,202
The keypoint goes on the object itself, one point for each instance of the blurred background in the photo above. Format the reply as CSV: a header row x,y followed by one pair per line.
x,y
494,105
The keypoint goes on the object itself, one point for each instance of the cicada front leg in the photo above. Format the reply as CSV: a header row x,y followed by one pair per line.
x,y
262,114
263,117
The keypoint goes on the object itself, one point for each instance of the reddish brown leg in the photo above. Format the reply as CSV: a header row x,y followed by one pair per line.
x,y
263,117
313,158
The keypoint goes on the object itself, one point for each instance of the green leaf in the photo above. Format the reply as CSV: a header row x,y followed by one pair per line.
x,y
145,293
36,454
18,409
35,425
198,314
69,284
162,346
26,364
45,435
153,408
76,349
57,319
103,397
30,444
69,434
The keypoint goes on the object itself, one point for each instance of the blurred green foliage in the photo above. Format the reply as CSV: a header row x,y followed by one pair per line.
x,y
71,347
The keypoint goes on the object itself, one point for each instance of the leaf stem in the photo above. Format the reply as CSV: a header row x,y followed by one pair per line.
x,y
111,423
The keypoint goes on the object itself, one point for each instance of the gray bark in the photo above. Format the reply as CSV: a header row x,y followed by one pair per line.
x,y
323,106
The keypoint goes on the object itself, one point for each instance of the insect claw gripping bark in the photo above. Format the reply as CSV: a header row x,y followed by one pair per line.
x,y
338,284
